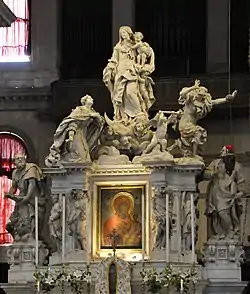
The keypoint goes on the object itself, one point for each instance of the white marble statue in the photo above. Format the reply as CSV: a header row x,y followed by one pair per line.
x,y
224,193
55,220
127,77
187,220
197,103
159,218
76,135
160,137
77,217
128,80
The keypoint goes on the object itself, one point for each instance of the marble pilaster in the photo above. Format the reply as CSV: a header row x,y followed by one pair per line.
x,y
63,181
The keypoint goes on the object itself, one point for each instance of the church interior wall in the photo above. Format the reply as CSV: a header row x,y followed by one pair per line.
x,y
39,133
42,69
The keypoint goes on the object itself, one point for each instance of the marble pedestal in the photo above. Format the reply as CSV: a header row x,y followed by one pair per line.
x,y
73,257
223,260
22,259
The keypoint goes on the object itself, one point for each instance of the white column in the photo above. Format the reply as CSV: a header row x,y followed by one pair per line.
x,y
123,15
217,36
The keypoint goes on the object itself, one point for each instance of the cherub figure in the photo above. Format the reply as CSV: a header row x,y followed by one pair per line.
x,y
144,53
142,48
161,122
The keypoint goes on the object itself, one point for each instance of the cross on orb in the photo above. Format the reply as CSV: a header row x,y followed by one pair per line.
x,y
114,237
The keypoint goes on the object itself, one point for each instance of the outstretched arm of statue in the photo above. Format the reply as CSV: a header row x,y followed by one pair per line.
x,y
228,98
12,197
206,175
31,190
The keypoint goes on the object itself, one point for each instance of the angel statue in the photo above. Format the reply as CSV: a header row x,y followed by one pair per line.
x,y
76,135
155,148
127,78
160,137
197,103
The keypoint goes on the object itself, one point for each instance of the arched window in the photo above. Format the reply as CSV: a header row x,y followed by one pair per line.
x,y
10,144
14,40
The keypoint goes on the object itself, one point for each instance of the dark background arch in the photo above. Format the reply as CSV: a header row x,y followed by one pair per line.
x,y
27,141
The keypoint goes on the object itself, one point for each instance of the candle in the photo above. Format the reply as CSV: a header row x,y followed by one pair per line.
x,y
38,286
36,232
192,227
88,232
63,227
143,228
182,288
178,212
167,229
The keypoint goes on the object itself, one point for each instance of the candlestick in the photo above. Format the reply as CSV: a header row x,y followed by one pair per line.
x,y
143,228
167,230
88,244
36,232
192,227
63,227
178,224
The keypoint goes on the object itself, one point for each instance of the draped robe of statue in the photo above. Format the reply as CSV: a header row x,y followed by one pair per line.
x,y
122,77
22,221
197,104
87,126
223,207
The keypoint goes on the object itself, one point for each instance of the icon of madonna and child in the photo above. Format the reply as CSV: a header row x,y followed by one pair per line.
x,y
121,210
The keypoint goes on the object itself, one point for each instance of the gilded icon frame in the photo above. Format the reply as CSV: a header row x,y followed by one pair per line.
x,y
136,189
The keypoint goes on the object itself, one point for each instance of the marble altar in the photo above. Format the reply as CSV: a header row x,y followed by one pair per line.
x,y
122,197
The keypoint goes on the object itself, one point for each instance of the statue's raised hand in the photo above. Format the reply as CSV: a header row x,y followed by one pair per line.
x,y
230,97
197,83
